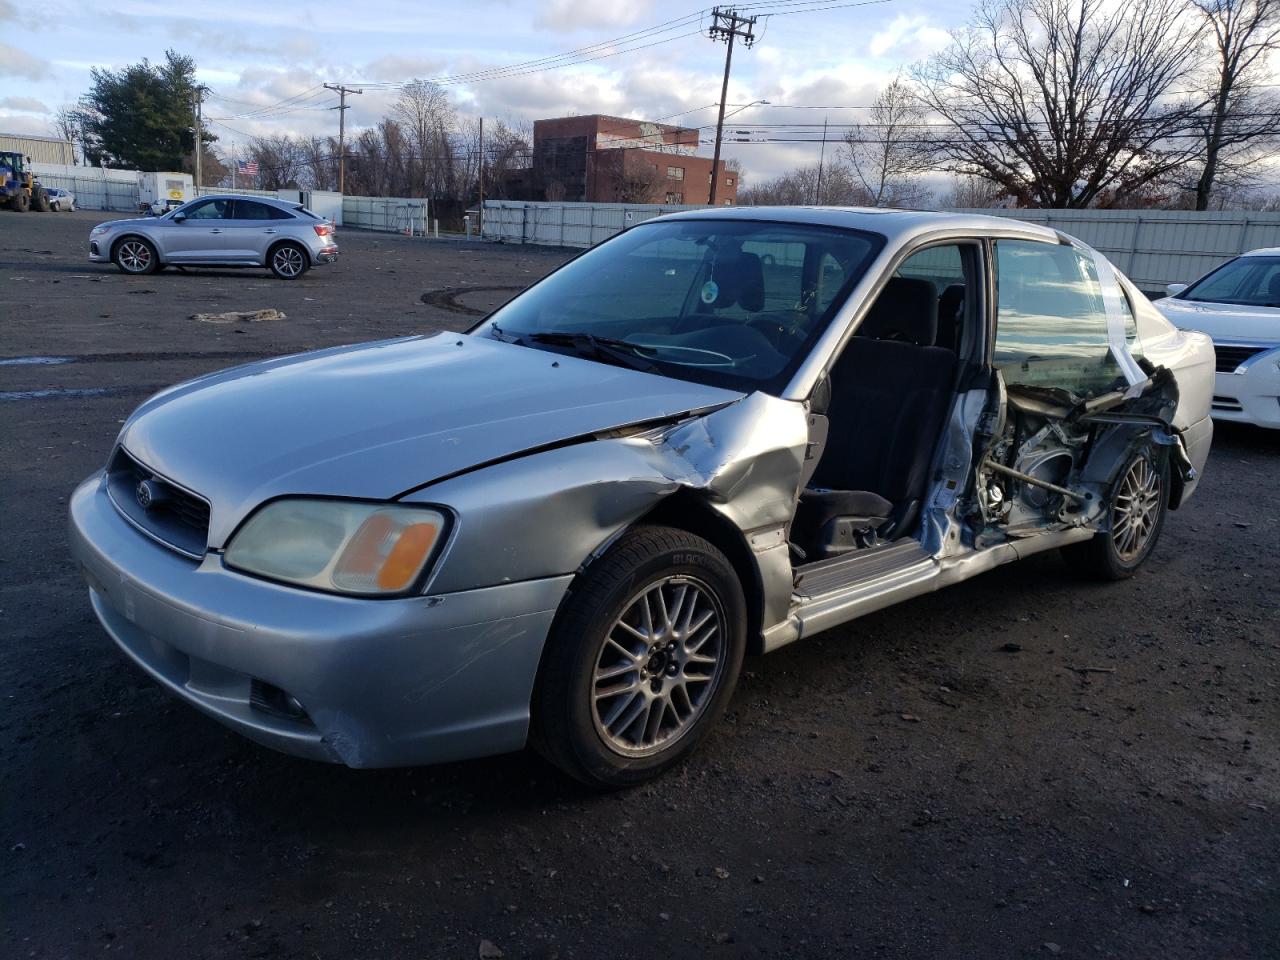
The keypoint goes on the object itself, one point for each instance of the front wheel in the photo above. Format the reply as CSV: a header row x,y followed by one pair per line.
x,y
289,261
642,659
135,256
1139,502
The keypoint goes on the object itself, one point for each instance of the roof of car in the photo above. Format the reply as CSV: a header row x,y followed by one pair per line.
x,y
274,201
896,224
1263,252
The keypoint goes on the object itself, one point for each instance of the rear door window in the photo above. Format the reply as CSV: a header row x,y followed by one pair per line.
x,y
1051,324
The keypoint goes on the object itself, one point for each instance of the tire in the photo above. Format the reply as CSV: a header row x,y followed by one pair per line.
x,y
40,200
620,698
135,256
21,202
1136,515
288,261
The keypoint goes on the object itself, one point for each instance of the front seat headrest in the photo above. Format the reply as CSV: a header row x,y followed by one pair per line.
x,y
907,309
741,281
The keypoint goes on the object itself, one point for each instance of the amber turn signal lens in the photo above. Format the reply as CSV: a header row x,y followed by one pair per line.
x,y
407,556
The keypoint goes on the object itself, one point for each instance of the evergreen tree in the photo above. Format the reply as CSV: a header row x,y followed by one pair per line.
x,y
140,116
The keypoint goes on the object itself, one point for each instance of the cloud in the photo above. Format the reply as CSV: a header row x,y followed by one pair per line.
x,y
24,104
24,123
569,15
19,63
909,37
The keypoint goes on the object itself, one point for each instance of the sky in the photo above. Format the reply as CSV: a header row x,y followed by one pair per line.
x,y
253,57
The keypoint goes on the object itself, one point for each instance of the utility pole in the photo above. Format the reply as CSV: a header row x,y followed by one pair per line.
x,y
197,102
480,208
822,155
342,130
726,25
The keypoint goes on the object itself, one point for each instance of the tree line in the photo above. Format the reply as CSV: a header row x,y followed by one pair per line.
x,y
1034,103
1071,103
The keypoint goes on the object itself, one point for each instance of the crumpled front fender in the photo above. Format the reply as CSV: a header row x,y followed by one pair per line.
x,y
548,513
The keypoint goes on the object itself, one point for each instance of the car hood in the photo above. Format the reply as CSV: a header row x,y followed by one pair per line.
x,y
1223,321
377,420
129,222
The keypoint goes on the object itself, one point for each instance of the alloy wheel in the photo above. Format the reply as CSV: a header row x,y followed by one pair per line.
x,y
135,256
287,261
659,666
1136,509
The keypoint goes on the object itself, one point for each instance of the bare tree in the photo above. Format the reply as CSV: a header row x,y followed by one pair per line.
x,y
68,124
800,186
972,193
1063,102
280,161
1241,122
890,150
429,122
630,179
508,158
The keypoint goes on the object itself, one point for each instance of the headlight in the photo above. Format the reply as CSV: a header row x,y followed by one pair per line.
x,y
340,546
98,230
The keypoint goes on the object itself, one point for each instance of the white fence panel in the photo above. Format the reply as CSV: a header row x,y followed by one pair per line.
x,y
566,224
1152,247
1155,247
97,193
389,214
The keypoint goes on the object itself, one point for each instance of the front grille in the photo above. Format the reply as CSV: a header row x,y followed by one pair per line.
x,y
1231,356
1230,404
175,516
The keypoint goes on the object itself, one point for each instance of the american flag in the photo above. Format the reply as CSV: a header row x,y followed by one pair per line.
x,y
248,167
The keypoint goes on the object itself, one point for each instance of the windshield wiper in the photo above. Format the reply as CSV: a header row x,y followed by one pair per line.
x,y
608,349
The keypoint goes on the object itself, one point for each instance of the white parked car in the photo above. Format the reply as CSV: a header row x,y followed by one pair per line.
x,y
1238,305
60,199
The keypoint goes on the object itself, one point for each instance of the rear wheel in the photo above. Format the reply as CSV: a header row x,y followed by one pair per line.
x,y
642,660
1139,502
21,202
288,261
135,255
40,200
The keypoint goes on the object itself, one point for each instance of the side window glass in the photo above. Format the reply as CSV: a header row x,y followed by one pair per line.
x,y
252,210
1051,323
278,214
210,210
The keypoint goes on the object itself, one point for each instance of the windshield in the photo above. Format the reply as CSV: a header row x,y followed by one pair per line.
x,y
1251,281
725,302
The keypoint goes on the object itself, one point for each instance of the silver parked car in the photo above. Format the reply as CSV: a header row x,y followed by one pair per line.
x,y
60,199
716,433
231,231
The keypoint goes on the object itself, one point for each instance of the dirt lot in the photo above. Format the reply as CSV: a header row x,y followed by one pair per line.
x,y
939,780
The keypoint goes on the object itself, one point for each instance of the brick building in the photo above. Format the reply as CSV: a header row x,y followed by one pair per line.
x,y
603,159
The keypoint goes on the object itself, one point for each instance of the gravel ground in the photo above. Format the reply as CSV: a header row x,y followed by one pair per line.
x,y
1024,765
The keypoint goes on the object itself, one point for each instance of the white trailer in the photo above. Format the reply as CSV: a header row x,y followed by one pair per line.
x,y
160,192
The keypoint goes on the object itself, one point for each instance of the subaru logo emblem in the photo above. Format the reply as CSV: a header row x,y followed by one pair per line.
x,y
147,494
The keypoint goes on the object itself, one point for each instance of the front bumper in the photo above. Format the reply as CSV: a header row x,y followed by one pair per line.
x,y
1251,393
383,682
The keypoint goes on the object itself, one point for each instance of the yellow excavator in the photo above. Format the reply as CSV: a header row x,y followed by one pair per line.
x,y
19,189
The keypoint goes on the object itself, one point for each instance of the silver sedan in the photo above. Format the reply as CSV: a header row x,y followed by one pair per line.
x,y
60,199
719,432
219,231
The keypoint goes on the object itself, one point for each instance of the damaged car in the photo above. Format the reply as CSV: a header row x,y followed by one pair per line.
x,y
715,434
